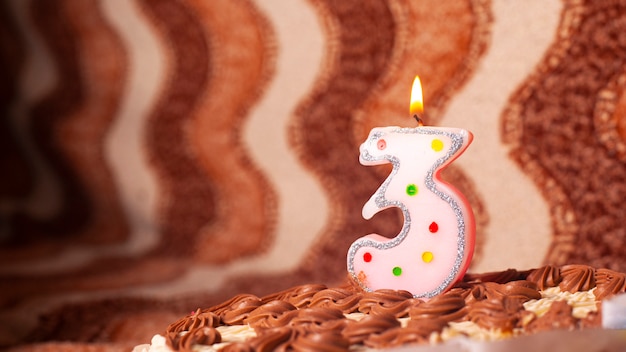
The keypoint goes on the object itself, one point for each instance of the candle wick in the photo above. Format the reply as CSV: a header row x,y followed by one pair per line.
x,y
420,122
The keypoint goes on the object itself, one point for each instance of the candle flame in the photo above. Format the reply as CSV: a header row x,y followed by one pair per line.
x,y
417,99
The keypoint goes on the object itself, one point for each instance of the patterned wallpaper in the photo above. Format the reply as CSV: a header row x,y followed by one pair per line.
x,y
160,155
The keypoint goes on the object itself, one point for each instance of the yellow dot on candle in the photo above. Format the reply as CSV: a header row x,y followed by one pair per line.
x,y
427,257
437,145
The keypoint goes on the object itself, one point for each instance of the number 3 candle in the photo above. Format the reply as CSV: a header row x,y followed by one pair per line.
x,y
436,243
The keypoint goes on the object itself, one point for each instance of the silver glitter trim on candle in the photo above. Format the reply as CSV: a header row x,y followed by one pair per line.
x,y
457,140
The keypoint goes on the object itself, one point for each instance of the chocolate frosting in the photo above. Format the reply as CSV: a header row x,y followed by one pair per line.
x,y
387,302
357,331
271,315
316,316
608,283
203,336
546,276
593,319
240,309
222,308
345,300
238,347
416,331
184,342
577,278
272,340
327,341
498,277
449,307
311,317
299,296
493,314
395,337
427,326
559,316
520,291
199,318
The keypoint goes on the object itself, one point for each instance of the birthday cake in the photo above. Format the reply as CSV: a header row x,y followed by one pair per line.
x,y
412,289
505,305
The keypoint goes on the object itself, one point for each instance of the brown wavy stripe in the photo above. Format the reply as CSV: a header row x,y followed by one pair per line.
x,y
364,34
478,16
551,123
187,199
81,135
444,63
102,62
619,114
17,178
242,60
609,116
46,116
444,53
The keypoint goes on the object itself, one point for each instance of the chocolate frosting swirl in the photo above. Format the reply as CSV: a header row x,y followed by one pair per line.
x,y
221,308
449,307
238,347
464,291
546,276
197,319
345,300
493,314
577,277
387,302
425,327
272,339
520,290
416,331
608,283
271,315
299,296
204,336
499,277
172,339
357,331
316,316
239,309
327,341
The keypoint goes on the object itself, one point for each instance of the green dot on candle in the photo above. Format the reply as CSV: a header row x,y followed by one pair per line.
x,y
411,189
397,271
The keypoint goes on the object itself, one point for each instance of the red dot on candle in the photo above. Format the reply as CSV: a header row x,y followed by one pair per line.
x,y
381,144
433,227
367,257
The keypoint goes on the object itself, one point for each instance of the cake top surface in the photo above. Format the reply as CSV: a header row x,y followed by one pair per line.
x,y
489,306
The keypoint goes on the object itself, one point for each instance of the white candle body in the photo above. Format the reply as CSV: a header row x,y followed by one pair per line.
x,y
436,243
